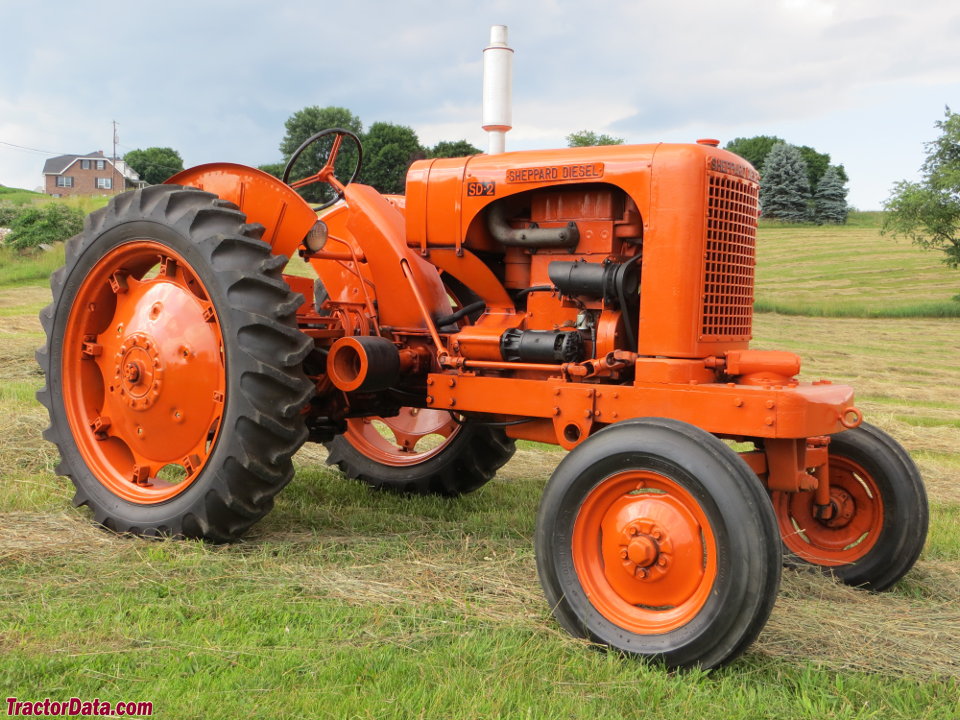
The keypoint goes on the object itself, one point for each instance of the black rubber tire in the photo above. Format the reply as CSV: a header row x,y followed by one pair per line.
x,y
469,461
906,513
734,503
262,426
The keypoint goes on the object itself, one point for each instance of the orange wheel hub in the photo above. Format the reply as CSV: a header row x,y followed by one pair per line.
x,y
414,435
852,528
143,372
644,552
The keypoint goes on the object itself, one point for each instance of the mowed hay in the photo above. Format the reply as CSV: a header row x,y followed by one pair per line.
x,y
905,374
819,620
910,632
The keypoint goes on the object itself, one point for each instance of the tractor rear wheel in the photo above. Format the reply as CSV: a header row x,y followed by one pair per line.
x,y
420,451
655,539
173,366
880,516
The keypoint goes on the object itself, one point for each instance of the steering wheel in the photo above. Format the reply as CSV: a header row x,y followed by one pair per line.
x,y
325,174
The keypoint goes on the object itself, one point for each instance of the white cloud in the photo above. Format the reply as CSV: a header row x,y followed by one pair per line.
x,y
859,79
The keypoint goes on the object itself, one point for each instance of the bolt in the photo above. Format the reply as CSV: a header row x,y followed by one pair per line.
x,y
662,561
657,534
768,404
642,573
623,554
131,372
634,531
451,382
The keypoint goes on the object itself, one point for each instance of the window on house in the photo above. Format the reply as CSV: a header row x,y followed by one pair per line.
x,y
104,183
64,181
54,194
84,164
101,164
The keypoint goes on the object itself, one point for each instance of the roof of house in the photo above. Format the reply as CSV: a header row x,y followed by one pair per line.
x,y
57,165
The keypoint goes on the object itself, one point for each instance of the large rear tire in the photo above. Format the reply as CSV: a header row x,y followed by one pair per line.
x,y
655,539
420,451
173,366
881,514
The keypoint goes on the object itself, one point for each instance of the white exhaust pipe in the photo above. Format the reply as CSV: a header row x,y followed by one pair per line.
x,y
497,89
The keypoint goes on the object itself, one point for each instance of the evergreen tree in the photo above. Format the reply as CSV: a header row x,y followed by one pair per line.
x,y
755,150
784,186
830,199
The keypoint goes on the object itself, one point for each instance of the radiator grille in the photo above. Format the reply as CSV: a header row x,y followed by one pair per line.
x,y
730,258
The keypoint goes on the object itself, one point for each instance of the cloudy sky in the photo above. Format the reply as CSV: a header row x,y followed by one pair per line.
x,y
863,80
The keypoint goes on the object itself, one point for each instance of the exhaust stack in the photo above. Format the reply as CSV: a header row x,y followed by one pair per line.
x,y
497,89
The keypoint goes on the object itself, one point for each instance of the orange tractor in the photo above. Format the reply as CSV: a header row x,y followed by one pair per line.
x,y
596,298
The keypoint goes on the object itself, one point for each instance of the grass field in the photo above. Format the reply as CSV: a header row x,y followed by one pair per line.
x,y
346,603
850,271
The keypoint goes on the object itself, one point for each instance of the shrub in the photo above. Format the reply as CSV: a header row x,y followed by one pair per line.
x,y
8,213
49,223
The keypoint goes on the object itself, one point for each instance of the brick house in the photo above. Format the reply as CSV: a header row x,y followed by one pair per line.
x,y
90,174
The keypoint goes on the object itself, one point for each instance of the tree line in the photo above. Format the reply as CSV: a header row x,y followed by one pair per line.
x,y
798,184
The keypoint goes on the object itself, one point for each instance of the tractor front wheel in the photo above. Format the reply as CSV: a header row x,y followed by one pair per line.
x,y
173,366
879,521
655,539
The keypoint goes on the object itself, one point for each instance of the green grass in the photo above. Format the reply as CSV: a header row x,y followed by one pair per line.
x,y
85,203
850,271
347,603
28,268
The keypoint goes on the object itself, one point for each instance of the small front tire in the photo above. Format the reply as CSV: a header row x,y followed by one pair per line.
x,y
880,513
655,539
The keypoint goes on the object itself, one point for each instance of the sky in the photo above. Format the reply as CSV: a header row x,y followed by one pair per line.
x,y
862,80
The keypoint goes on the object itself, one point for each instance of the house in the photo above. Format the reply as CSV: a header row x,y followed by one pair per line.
x,y
90,174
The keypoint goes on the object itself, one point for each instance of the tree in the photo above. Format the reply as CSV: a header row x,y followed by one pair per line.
x,y
154,164
388,150
755,150
830,199
448,149
928,212
275,169
784,187
588,138
302,125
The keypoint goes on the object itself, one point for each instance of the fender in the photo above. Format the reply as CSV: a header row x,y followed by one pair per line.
x,y
286,216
